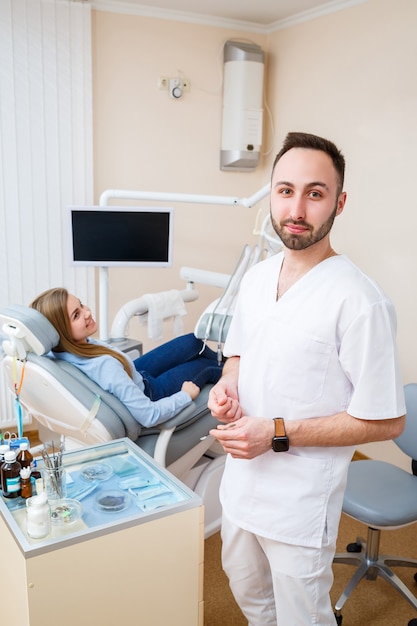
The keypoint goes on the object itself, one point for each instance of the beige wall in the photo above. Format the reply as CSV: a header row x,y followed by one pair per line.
x,y
349,76
146,140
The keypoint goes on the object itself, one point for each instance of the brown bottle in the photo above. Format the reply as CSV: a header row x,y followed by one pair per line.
x,y
24,457
25,483
10,475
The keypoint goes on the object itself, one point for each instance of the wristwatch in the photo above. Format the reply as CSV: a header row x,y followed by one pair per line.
x,y
280,442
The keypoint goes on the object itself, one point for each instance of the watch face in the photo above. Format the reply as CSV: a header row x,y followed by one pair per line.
x,y
280,444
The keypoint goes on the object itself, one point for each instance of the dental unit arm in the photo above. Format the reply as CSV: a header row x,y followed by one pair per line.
x,y
125,194
139,306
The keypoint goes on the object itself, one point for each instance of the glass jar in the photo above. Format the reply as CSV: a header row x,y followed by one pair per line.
x,y
55,482
38,516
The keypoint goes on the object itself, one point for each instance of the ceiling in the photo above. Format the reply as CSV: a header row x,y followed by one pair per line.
x,y
264,14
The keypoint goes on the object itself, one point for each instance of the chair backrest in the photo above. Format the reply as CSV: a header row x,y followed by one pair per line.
x,y
26,330
407,441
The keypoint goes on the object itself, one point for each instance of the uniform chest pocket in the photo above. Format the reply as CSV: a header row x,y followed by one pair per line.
x,y
298,365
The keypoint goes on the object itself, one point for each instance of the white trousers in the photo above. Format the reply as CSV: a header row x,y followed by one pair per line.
x,y
277,584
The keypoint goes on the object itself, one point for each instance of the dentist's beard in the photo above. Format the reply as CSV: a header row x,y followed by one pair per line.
x,y
306,239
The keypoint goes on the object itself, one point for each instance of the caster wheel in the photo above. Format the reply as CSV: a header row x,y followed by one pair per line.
x,y
355,547
339,619
415,578
412,622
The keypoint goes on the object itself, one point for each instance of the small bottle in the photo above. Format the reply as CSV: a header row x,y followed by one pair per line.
x,y
25,483
10,475
25,457
3,449
38,516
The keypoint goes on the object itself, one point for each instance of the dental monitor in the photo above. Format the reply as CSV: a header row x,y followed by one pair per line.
x,y
121,236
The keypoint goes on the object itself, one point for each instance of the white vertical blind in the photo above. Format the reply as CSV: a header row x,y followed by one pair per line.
x,y
45,144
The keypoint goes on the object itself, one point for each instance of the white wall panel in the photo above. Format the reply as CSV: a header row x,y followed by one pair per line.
x,y
46,143
46,160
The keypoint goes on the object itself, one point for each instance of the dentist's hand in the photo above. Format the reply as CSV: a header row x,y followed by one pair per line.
x,y
224,404
224,398
246,438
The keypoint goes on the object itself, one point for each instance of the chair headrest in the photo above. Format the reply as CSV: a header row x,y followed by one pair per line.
x,y
27,330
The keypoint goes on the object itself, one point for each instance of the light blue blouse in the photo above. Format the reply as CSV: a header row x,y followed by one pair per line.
x,y
110,374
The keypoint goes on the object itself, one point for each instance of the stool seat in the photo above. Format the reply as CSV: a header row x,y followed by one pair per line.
x,y
383,497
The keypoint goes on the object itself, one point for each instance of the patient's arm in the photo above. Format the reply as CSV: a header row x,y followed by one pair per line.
x,y
223,399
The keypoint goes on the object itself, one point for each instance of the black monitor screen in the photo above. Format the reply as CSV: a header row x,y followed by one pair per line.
x,y
121,236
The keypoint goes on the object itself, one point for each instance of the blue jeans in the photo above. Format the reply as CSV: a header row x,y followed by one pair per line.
x,y
165,368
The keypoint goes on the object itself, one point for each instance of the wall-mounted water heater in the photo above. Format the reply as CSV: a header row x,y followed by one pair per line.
x,y
242,106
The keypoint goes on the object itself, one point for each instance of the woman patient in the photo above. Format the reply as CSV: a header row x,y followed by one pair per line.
x,y
154,387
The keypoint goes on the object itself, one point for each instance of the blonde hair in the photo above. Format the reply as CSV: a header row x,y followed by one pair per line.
x,y
53,305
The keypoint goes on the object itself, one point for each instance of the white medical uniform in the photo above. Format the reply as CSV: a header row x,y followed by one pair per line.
x,y
326,346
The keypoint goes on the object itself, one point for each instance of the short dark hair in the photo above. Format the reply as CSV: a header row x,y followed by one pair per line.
x,y
313,142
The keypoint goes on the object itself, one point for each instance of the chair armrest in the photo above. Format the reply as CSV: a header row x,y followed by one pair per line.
x,y
191,413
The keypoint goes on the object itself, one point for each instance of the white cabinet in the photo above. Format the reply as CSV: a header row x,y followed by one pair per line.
x,y
108,568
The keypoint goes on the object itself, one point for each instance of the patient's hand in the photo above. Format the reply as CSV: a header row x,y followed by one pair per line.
x,y
189,387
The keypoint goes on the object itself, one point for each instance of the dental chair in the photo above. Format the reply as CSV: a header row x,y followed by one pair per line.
x,y
64,401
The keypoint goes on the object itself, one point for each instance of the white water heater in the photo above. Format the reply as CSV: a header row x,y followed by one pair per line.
x,y
242,106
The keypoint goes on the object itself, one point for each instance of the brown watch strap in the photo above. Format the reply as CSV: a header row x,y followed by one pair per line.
x,y
279,427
